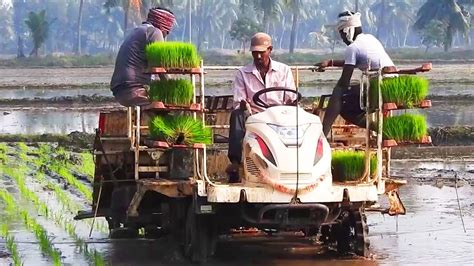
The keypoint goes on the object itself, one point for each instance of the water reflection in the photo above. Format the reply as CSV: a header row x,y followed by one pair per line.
x,y
48,121
307,91
431,232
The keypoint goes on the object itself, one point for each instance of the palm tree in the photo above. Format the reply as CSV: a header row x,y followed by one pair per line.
x,y
294,6
127,6
39,28
77,49
270,9
395,18
452,14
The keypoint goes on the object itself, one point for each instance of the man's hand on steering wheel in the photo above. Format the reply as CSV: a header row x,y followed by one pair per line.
x,y
260,103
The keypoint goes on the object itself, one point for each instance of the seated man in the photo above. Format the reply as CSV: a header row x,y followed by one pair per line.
x,y
129,76
362,50
262,73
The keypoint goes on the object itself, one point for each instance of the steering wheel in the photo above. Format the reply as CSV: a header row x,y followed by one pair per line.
x,y
260,103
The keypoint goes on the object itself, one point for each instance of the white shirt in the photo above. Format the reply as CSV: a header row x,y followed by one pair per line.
x,y
248,81
366,48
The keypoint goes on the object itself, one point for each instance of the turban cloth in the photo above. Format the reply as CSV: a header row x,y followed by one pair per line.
x,y
348,24
162,19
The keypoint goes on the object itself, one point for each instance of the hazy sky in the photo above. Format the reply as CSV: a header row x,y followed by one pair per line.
x,y
8,2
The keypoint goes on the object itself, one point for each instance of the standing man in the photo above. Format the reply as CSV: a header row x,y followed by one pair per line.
x,y
362,50
129,76
262,73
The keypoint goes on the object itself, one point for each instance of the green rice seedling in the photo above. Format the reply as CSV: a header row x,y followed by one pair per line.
x,y
10,244
406,127
30,223
350,165
406,91
172,91
172,55
88,165
3,153
66,223
180,130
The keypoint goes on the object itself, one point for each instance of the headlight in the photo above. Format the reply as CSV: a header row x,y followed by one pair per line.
x,y
290,135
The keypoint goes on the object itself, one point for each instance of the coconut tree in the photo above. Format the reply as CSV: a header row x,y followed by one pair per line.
x,y
271,9
39,28
77,47
395,17
452,14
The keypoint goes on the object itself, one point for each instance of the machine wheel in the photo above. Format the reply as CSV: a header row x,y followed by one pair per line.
x,y
199,238
352,233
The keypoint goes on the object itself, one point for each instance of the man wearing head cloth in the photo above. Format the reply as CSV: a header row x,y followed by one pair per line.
x,y
362,50
129,76
262,73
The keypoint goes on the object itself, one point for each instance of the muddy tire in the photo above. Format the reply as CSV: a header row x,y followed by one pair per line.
x,y
199,237
352,234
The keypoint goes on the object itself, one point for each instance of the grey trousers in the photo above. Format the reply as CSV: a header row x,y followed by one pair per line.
x,y
135,96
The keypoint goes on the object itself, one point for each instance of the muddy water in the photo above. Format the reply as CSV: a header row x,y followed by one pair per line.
x,y
47,121
21,120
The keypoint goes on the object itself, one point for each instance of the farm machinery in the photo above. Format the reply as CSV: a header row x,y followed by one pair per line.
x,y
287,180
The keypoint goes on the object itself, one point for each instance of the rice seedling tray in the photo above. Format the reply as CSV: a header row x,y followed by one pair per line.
x,y
165,145
393,143
393,106
160,106
183,71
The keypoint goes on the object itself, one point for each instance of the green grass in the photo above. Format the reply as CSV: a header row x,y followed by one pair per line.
x,y
350,165
406,91
31,224
60,165
405,127
17,172
10,244
172,55
173,128
172,91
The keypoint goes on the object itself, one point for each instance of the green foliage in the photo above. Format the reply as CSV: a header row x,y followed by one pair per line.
x,y
172,55
40,233
39,28
433,34
18,173
87,166
452,14
406,127
179,130
172,91
243,29
350,165
10,244
405,91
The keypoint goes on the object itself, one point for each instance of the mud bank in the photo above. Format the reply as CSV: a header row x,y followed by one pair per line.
x,y
34,77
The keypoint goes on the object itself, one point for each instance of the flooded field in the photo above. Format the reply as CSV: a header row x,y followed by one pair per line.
x,y
48,185
42,187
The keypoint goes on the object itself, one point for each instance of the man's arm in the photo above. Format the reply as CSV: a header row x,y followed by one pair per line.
x,y
238,89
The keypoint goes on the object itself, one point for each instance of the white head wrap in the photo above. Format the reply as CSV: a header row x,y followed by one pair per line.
x,y
348,24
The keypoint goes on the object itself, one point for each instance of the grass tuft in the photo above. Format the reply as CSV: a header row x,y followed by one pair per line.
x,y
172,55
10,244
172,91
406,90
350,165
180,130
406,127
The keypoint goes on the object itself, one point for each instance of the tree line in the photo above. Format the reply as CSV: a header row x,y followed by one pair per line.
x,y
99,26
